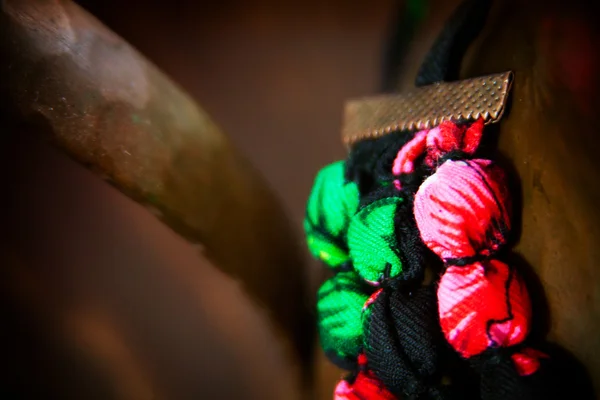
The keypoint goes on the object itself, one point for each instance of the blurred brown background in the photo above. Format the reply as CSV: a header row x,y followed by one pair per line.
x,y
274,75
157,316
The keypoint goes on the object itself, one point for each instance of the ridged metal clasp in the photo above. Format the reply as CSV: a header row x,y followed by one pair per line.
x,y
427,106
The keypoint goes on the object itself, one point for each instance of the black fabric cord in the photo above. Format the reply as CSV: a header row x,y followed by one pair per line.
x,y
443,61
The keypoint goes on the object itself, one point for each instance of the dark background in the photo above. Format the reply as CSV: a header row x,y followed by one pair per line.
x,y
275,76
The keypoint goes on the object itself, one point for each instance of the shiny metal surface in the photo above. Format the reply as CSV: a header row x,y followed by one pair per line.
x,y
426,107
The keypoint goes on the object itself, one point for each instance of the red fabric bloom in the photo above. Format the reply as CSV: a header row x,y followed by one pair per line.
x,y
448,137
528,361
462,210
483,305
365,386
437,142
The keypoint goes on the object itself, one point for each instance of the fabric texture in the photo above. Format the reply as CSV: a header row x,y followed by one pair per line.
x,y
403,340
483,305
331,204
405,203
463,215
402,337
340,302
372,241
462,209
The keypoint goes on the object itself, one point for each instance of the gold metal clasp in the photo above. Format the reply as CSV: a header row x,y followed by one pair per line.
x,y
427,106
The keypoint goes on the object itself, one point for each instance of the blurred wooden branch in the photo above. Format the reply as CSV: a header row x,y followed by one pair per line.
x,y
110,109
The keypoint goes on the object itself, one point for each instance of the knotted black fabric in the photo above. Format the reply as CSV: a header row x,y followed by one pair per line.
x,y
403,342
499,380
370,161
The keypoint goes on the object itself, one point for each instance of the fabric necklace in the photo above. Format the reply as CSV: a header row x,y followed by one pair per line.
x,y
418,197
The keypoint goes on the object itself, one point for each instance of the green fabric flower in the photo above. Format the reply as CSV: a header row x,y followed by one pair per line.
x,y
331,204
372,241
339,309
